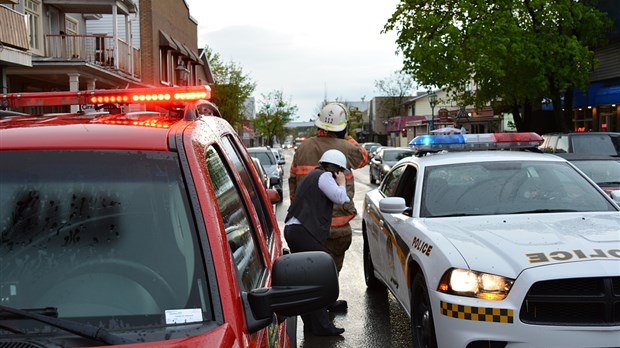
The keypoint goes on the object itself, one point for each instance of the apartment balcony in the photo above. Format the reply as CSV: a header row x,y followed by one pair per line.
x,y
13,39
97,50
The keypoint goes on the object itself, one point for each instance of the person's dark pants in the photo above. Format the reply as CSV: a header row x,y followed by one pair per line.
x,y
299,239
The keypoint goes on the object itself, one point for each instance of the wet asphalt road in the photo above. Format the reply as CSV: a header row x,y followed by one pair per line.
x,y
373,319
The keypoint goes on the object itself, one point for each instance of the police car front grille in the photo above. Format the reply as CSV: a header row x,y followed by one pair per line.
x,y
577,302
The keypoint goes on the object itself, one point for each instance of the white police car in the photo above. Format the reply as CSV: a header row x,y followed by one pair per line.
x,y
495,248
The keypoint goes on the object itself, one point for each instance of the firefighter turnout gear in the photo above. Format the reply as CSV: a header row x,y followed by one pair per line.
x,y
307,158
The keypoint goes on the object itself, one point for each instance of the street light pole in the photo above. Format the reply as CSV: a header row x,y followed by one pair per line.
x,y
432,100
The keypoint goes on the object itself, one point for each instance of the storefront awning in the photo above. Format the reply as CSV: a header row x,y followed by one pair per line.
x,y
167,41
597,94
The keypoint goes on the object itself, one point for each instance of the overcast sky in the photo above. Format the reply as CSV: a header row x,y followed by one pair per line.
x,y
309,50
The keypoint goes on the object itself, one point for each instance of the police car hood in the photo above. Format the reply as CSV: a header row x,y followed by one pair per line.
x,y
508,244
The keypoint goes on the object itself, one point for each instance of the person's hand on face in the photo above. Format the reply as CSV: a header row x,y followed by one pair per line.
x,y
340,178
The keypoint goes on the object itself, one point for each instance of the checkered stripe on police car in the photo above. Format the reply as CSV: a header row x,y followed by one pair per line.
x,y
493,315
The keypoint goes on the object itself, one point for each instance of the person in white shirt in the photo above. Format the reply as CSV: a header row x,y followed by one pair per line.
x,y
307,223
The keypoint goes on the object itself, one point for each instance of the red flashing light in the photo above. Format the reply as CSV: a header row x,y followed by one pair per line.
x,y
517,137
107,96
155,123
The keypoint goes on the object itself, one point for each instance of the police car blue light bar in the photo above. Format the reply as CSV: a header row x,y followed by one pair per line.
x,y
484,141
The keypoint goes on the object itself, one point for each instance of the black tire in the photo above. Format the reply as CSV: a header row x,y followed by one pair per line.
x,y
422,325
369,270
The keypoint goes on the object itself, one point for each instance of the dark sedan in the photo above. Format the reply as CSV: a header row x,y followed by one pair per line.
x,y
603,170
384,159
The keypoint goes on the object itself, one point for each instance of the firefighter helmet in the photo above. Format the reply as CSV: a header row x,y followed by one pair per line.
x,y
333,117
334,157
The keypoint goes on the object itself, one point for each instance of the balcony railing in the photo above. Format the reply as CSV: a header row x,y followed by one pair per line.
x,y
94,49
13,32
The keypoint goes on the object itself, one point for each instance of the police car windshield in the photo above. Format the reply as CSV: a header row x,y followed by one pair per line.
x,y
507,187
106,237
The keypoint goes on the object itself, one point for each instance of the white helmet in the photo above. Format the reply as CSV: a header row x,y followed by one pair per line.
x,y
333,117
334,157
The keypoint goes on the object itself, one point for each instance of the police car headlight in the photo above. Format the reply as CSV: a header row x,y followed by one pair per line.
x,y
464,282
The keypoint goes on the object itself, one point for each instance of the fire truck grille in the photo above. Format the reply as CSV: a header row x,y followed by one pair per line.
x,y
574,302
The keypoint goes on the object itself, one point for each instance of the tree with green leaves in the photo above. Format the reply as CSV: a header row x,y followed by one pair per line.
x,y
273,115
511,54
231,88
356,121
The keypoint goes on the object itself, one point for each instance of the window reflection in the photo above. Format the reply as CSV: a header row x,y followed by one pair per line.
x,y
240,235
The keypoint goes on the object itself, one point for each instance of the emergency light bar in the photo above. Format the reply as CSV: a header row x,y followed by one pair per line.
x,y
107,96
468,142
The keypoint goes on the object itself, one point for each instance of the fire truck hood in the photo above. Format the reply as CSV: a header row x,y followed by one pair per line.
x,y
508,244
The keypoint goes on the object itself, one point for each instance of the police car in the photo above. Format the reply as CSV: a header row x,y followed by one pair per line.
x,y
139,218
495,248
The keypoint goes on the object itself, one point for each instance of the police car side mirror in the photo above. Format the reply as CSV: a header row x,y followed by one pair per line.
x,y
392,205
615,195
300,283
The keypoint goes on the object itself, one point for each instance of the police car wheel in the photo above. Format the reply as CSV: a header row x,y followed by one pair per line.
x,y
369,270
422,327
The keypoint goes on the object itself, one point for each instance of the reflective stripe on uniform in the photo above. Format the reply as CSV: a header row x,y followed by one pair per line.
x,y
341,220
301,170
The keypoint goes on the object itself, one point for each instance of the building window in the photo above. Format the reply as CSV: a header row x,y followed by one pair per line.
x,y
33,15
582,119
164,66
71,26
608,118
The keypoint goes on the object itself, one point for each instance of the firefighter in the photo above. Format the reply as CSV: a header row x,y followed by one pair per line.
x,y
307,222
332,123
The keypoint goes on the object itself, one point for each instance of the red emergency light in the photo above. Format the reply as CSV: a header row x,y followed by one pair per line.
x,y
107,96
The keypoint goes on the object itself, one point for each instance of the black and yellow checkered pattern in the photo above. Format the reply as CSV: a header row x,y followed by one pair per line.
x,y
492,315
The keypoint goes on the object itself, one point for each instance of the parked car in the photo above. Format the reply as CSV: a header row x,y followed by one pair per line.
x,y
279,154
604,170
148,228
373,150
495,248
383,161
596,143
367,146
261,172
271,165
